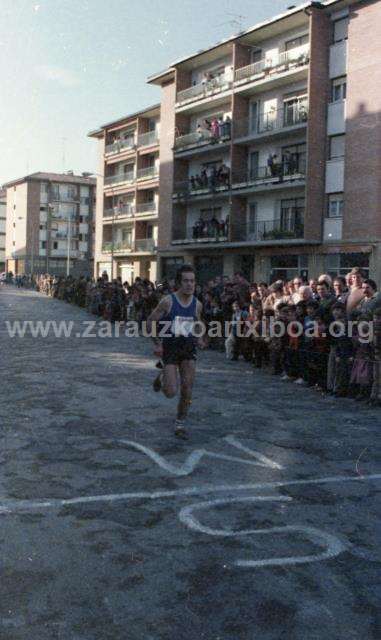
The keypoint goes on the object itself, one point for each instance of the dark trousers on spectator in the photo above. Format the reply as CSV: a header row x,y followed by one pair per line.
x,y
316,369
292,363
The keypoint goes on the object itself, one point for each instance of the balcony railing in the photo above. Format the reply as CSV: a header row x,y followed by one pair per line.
x,y
289,171
120,145
145,244
202,138
146,207
147,139
287,227
271,121
119,211
147,172
113,247
296,57
119,178
197,187
69,197
204,89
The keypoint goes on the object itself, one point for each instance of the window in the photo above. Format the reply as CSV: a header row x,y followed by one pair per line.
x,y
80,218
296,42
169,267
44,187
254,164
42,208
294,110
128,168
338,89
255,55
294,159
43,244
252,221
336,147
335,205
291,215
55,245
340,30
286,267
343,263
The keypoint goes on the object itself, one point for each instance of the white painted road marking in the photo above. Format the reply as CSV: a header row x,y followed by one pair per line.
x,y
196,456
331,545
17,506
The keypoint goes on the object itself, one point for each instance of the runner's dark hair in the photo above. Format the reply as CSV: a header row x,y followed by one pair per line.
x,y
185,268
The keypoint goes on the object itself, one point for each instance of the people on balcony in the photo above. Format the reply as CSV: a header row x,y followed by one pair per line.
x,y
214,130
211,178
212,228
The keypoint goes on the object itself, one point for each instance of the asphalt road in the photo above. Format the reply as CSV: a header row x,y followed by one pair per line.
x,y
264,526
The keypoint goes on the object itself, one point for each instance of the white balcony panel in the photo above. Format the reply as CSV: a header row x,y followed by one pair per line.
x,y
43,234
83,228
334,176
336,118
82,246
338,59
333,228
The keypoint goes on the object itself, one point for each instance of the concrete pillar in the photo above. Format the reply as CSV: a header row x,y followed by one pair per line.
x,y
262,268
315,265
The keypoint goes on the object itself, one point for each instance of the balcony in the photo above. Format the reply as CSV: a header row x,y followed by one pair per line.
x,y
146,207
204,89
148,139
287,228
271,122
120,145
117,247
290,173
268,67
119,178
68,197
147,245
202,186
203,138
205,232
119,211
147,173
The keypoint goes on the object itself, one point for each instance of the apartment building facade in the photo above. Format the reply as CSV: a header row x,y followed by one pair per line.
x,y
49,224
3,215
128,196
270,148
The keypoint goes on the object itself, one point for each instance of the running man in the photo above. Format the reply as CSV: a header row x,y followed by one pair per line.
x,y
180,311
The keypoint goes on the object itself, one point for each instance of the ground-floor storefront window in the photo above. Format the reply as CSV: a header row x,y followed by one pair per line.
x,y
286,267
169,267
343,263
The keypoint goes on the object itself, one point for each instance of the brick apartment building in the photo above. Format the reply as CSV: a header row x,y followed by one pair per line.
x,y
128,196
49,223
3,215
290,182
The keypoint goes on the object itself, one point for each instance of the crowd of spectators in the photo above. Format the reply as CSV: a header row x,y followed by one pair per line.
x,y
210,178
325,333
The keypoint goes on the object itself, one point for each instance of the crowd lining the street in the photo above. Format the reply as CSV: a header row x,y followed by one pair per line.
x,y
342,364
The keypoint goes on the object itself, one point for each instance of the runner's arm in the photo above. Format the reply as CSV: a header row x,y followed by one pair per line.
x,y
158,314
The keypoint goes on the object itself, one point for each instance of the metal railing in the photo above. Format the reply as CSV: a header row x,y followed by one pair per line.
x,y
147,172
190,188
119,178
111,247
282,228
271,121
297,56
146,139
119,145
281,172
145,244
146,207
58,197
204,89
202,138
119,210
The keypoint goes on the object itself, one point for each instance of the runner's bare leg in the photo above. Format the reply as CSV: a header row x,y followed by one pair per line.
x,y
170,380
187,370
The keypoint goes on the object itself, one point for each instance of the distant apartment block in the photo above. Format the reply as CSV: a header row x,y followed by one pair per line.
x,y
49,224
270,149
126,227
3,215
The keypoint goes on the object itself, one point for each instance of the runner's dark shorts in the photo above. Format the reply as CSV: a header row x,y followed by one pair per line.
x,y
176,350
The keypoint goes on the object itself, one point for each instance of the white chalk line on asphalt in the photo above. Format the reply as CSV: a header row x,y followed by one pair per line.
x,y
8,507
330,544
196,456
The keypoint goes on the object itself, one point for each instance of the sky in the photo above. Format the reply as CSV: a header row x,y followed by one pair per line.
x,y
69,66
